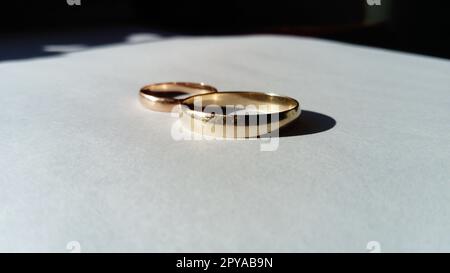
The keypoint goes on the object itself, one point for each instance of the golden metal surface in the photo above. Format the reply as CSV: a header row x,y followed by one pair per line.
x,y
162,96
237,114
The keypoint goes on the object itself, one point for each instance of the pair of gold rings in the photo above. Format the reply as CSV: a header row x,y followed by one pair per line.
x,y
229,114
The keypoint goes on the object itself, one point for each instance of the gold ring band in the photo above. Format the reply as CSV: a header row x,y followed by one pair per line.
x,y
161,96
219,114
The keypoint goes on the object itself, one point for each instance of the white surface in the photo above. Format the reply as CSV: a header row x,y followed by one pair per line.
x,y
81,160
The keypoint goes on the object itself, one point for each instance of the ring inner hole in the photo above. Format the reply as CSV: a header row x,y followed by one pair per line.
x,y
178,92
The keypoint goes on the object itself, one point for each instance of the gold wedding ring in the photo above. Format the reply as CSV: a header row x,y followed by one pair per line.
x,y
237,114
230,114
162,96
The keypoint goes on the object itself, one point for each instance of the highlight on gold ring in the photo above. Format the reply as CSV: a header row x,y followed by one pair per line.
x,y
162,96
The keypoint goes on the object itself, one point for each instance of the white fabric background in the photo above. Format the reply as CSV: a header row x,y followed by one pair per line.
x,y
82,160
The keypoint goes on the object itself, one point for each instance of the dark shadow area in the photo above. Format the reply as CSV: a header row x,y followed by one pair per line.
x,y
307,123
51,43
414,26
